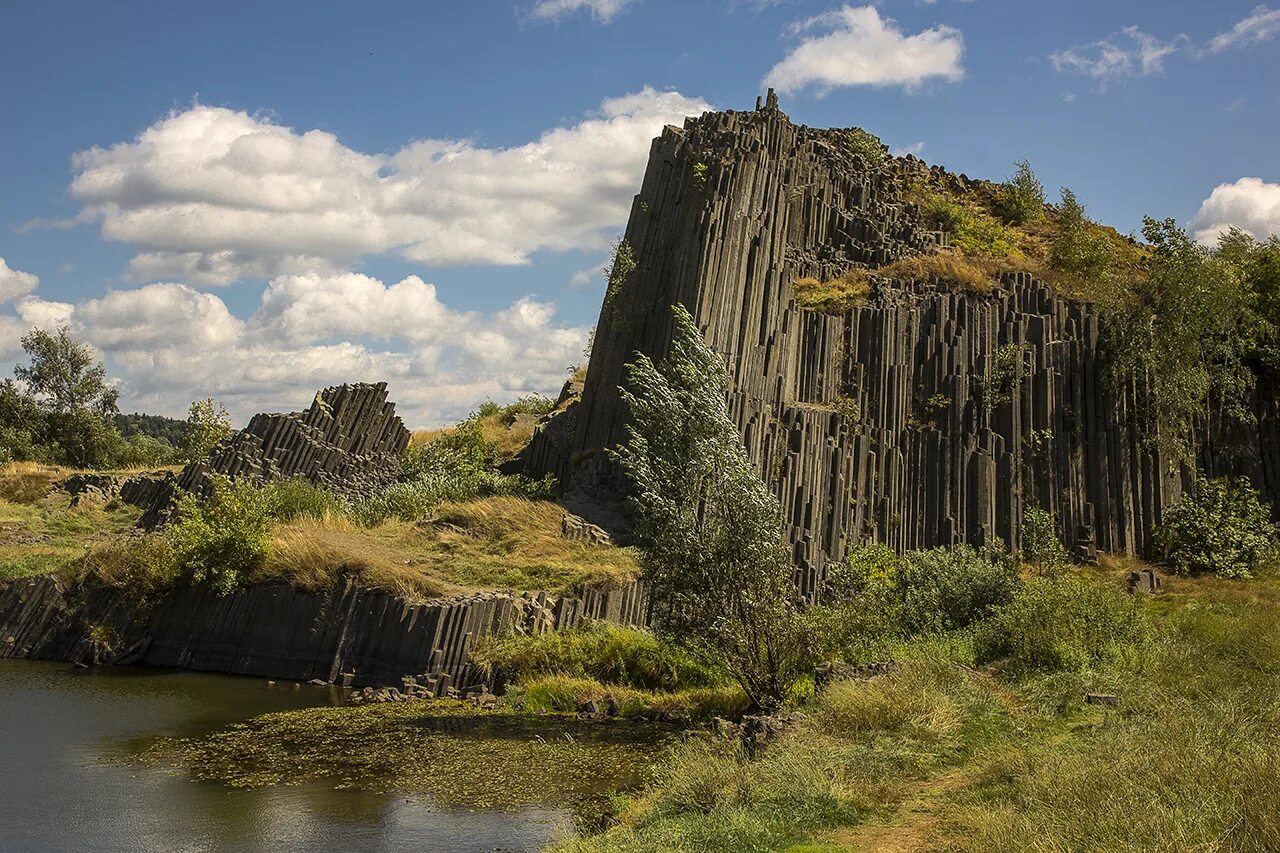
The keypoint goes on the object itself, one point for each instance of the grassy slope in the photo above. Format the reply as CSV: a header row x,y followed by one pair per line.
x,y
487,543
40,531
938,756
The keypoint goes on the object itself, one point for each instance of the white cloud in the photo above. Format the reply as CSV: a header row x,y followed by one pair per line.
x,y
902,151
1250,204
43,313
211,195
169,343
1262,24
15,283
856,47
603,11
1127,53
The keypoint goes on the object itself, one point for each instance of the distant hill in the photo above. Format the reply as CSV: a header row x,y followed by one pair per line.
x,y
160,427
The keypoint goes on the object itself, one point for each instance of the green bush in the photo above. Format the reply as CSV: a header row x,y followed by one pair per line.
x,y
223,538
1220,528
299,498
948,588
972,231
867,146
1041,547
1022,196
1062,623
606,653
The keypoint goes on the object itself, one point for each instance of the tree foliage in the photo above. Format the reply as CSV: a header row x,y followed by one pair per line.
x,y
1078,248
1220,528
712,553
64,376
1022,197
208,424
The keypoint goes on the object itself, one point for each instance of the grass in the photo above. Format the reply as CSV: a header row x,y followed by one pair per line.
x,y
938,755
508,434
487,543
848,290
46,534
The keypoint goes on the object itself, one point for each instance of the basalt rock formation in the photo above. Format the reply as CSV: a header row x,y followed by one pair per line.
x,y
928,416
349,441
347,635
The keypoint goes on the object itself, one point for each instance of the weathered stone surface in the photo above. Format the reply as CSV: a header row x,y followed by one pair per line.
x,y
877,423
349,441
345,635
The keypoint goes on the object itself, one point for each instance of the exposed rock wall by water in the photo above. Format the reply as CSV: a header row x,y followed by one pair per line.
x,y
349,440
927,417
344,635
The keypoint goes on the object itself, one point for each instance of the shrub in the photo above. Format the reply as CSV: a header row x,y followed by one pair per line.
x,y
299,498
875,596
1041,547
208,424
973,231
1062,623
224,538
948,588
1220,528
868,146
1022,196
607,653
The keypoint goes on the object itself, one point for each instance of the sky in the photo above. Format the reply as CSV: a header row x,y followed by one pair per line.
x,y
251,201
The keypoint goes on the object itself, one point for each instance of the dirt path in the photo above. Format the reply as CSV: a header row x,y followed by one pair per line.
x,y
913,827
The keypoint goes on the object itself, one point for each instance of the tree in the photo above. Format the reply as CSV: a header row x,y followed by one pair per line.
x,y
1078,249
1023,198
208,423
64,376
712,555
1179,337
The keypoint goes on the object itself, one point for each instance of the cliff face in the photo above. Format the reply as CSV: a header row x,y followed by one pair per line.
x,y
346,635
927,417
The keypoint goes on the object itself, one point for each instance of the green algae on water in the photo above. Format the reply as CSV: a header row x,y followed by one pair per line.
x,y
459,755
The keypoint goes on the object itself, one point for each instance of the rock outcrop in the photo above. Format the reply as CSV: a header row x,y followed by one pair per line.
x,y
347,635
349,441
929,416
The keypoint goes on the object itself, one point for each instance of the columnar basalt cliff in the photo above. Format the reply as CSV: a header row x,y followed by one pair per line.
x,y
347,635
349,440
928,416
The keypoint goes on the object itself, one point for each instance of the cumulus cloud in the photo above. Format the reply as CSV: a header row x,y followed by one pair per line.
x,y
1127,53
914,149
169,343
15,284
1250,204
211,195
1262,24
603,11
855,46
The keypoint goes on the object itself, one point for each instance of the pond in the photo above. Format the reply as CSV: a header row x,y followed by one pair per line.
x,y
138,759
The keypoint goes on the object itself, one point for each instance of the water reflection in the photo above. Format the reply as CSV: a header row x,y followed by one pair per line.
x,y
57,725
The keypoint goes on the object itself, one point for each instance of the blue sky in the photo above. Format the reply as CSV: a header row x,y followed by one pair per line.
x,y
253,200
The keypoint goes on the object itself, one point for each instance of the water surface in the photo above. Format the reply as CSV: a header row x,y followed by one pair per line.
x,y
69,778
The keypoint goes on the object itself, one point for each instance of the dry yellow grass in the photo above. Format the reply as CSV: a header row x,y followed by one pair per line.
x,y
492,543
849,290
949,267
507,441
315,553
28,482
